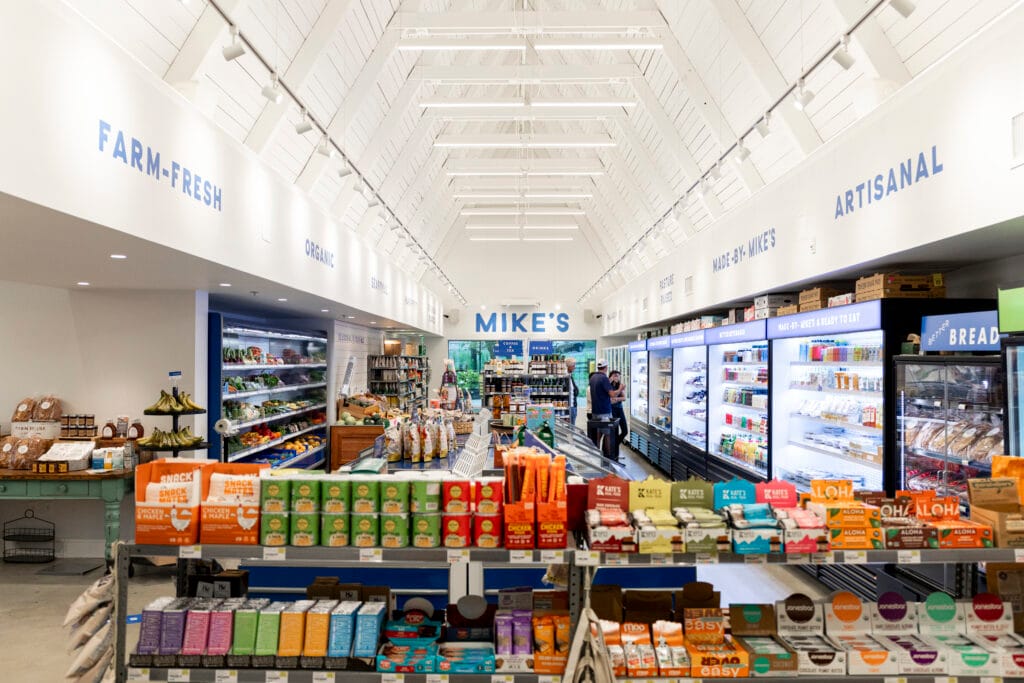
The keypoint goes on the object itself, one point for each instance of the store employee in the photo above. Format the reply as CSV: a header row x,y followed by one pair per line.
x,y
601,392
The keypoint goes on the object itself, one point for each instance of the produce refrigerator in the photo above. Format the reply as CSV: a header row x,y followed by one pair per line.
x,y
638,395
949,411
738,404
659,384
1011,321
690,399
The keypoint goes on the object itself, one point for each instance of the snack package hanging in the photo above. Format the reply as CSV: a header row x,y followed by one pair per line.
x,y
552,503
393,443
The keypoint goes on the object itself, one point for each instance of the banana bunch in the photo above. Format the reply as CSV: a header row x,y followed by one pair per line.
x,y
169,404
183,438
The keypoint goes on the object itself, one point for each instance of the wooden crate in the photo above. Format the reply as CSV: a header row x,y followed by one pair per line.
x,y
811,306
788,310
897,286
817,295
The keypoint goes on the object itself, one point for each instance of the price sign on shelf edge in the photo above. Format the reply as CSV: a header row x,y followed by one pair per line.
x,y
588,558
135,675
274,553
392,678
908,556
370,555
437,678
325,677
190,552
520,556
178,676
225,676
552,556
277,677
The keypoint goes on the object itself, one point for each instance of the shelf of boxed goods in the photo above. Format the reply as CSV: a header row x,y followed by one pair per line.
x,y
307,676
974,464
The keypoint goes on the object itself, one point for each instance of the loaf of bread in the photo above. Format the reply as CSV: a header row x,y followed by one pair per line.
x,y
24,410
48,409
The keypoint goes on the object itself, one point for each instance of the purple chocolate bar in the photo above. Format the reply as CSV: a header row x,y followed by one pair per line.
x,y
172,630
150,628
522,632
503,632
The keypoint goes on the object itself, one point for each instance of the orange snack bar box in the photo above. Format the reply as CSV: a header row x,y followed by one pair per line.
x,y
168,494
552,504
520,493
226,521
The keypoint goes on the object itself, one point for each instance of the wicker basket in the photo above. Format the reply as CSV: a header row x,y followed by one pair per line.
x,y
462,427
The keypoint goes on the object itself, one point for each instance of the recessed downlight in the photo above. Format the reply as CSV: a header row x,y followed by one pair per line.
x,y
225,284
282,299
325,310
82,284
373,322
118,257
350,317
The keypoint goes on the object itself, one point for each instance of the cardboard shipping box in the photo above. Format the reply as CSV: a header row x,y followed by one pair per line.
x,y
995,502
754,629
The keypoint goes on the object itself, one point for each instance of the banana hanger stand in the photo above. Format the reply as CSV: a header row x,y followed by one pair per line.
x,y
589,661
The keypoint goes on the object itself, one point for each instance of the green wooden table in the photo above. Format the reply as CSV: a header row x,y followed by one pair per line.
x,y
110,488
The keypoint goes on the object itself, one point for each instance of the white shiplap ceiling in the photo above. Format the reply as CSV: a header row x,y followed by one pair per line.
x,y
721,65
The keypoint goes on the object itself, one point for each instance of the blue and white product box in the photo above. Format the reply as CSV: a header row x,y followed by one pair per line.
x,y
343,629
369,622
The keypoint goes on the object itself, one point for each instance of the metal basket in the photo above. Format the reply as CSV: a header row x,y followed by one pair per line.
x,y
29,539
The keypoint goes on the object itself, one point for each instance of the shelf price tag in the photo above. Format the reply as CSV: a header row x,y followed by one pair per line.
x,y
991,679
520,556
945,679
549,679
135,675
798,558
588,558
755,559
274,554
190,552
552,556
823,558
371,555
458,556
901,679
502,678
661,558
392,678
1018,554
909,557
225,676
616,559
437,678
706,558
277,677
855,557
178,676
323,677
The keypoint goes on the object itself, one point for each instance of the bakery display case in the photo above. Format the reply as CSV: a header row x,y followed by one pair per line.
x,y
950,420
659,384
638,395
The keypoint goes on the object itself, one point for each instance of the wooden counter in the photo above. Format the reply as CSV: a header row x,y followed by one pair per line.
x,y
347,442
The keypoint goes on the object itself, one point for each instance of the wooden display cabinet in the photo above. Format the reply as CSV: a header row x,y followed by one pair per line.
x,y
347,442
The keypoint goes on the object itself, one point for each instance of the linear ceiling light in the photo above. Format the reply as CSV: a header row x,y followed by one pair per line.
x,y
529,195
521,174
619,43
583,103
512,141
236,48
551,227
523,212
547,239
493,239
439,43
492,227
495,102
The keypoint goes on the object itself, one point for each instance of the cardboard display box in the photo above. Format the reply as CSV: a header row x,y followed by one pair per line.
x,y
894,285
754,629
995,503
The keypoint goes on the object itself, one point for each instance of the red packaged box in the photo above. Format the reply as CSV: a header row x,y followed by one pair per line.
x,y
457,496
487,531
456,530
488,495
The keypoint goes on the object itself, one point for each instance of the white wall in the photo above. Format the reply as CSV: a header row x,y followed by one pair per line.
x,y
985,279
102,352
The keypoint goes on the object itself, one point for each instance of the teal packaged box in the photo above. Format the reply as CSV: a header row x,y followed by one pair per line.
x,y
756,541
369,621
343,629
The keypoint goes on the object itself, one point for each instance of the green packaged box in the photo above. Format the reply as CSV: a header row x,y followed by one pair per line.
x,y
365,495
268,629
305,529
334,530
275,494
305,495
426,530
425,496
243,640
335,495
274,528
365,530
394,496
394,530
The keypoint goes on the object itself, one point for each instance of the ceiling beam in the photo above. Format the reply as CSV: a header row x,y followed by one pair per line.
x,y
527,113
509,74
526,21
523,141
353,100
882,57
766,72
301,66
657,177
582,166
519,182
207,33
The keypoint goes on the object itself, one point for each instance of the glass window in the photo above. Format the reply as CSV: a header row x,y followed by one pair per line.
x,y
470,357
585,353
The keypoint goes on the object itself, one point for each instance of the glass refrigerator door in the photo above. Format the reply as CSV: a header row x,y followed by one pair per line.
x,y
950,421
690,402
638,385
828,409
738,405
1013,351
660,390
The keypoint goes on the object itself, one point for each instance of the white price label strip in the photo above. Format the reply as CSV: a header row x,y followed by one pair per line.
x,y
912,557
823,558
502,678
178,676
371,555
458,556
135,675
520,556
552,556
277,677
588,558
755,559
324,677
945,679
855,557
392,678
661,558
1018,555
274,554
895,680
991,679
707,558
798,558
616,559
190,552
437,678
225,676
549,679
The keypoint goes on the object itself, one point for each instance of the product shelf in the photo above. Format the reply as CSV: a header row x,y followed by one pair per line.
x,y
267,334
853,426
837,363
840,455
201,411
744,430
745,407
201,446
300,456
950,458
275,390
230,367
736,462
235,457
279,416
837,392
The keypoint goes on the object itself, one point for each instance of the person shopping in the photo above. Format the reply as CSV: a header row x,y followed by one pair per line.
x,y
618,403
570,366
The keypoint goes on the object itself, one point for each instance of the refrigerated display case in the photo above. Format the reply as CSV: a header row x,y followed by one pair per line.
x,y
738,401
1013,364
659,383
690,388
638,380
828,401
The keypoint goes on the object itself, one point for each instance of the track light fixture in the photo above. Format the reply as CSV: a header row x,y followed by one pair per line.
x,y
304,125
372,203
272,91
842,54
742,153
763,127
344,171
904,7
325,147
715,172
802,96
236,48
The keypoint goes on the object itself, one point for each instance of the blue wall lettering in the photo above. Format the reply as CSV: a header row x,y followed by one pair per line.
x,y
131,152
760,243
537,323
873,190
319,254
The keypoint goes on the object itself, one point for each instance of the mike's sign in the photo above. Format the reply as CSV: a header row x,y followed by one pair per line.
x,y
536,323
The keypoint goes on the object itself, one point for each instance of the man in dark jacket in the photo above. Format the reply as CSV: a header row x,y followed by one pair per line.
x,y
601,392
618,403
